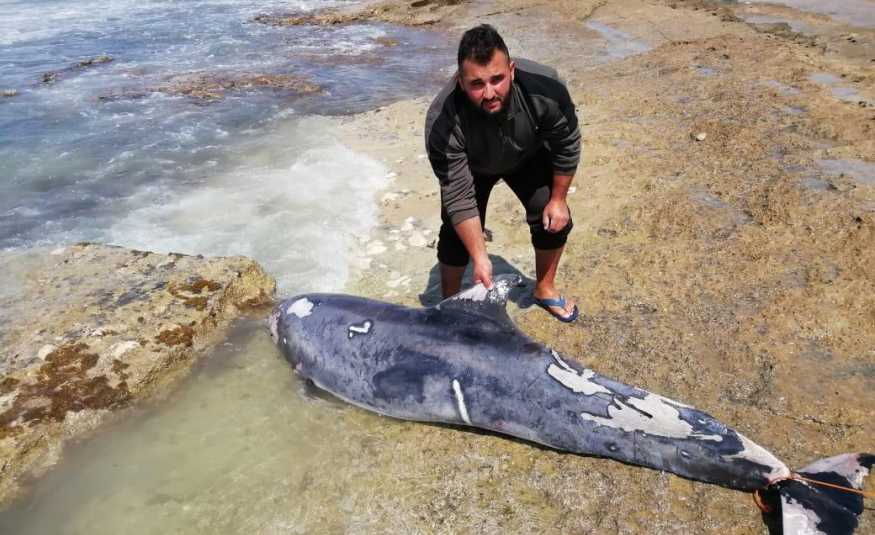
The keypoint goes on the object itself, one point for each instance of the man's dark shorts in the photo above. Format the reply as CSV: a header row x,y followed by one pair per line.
x,y
532,184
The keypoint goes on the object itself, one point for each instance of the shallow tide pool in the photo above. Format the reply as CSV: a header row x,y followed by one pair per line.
x,y
236,449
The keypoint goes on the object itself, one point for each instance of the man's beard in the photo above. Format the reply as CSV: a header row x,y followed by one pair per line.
x,y
497,113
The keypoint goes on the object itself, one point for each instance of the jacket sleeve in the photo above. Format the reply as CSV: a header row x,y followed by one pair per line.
x,y
560,131
445,145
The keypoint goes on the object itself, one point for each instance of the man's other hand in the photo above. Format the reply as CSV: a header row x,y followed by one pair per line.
x,y
556,215
483,272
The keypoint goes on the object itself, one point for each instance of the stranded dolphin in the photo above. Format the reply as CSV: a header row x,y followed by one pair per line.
x,y
464,362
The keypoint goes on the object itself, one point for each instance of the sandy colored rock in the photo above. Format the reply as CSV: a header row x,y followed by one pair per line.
x,y
416,13
91,328
731,273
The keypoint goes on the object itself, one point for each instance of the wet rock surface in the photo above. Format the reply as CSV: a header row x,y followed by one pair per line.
x,y
731,271
91,328
54,76
214,86
416,13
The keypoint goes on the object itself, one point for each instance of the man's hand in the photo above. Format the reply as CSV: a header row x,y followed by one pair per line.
x,y
483,272
556,215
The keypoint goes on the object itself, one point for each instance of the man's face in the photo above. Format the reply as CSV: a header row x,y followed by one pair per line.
x,y
488,86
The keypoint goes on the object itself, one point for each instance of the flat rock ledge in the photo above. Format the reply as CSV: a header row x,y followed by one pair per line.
x,y
89,328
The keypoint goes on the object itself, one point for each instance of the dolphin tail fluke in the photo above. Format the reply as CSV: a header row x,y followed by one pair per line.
x,y
820,499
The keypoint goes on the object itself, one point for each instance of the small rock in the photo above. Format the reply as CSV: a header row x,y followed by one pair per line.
x,y
121,348
9,92
389,197
699,136
97,60
387,41
375,248
417,240
45,351
401,281
571,190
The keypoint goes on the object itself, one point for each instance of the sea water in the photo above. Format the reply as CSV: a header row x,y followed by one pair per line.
x,y
99,154
96,153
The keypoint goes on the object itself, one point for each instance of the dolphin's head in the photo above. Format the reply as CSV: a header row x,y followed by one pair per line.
x,y
291,332
314,330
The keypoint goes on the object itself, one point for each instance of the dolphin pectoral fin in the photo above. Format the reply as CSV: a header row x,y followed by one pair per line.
x,y
809,507
480,301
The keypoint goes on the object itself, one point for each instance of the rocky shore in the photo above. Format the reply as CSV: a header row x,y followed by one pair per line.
x,y
722,255
91,328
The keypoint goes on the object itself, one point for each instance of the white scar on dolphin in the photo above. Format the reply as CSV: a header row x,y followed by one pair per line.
x,y
653,414
663,420
460,401
569,378
364,328
302,308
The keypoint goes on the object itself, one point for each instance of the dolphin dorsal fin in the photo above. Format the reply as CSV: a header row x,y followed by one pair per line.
x,y
482,302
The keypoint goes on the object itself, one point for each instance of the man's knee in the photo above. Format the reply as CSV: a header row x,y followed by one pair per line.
x,y
450,248
542,239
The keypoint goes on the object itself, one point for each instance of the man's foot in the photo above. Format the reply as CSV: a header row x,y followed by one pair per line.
x,y
559,308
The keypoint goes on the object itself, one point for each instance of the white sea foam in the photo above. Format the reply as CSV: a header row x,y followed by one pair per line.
x,y
295,207
24,20
619,44
854,12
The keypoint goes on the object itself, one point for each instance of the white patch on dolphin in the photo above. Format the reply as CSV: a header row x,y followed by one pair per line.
x,y
364,328
460,401
797,519
755,453
302,308
665,420
846,465
579,383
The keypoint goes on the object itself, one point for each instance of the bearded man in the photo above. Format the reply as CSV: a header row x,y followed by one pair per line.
x,y
511,120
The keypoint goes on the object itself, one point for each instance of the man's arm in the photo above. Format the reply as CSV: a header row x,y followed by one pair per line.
x,y
563,135
470,231
556,214
445,145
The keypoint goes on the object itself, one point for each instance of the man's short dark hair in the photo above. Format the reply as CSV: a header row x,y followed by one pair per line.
x,y
479,44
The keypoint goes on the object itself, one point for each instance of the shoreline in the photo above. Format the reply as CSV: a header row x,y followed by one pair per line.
x,y
726,272
730,272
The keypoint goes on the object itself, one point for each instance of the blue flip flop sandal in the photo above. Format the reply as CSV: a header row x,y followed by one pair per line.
x,y
547,303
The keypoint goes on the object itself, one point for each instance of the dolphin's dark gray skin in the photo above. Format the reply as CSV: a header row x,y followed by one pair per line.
x,y
464,362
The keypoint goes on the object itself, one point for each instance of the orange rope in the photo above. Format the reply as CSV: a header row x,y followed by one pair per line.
x,y
766,508
832,486
758,500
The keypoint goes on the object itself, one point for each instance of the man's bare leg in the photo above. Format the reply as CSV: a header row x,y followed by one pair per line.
x,y
546,264
451,279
